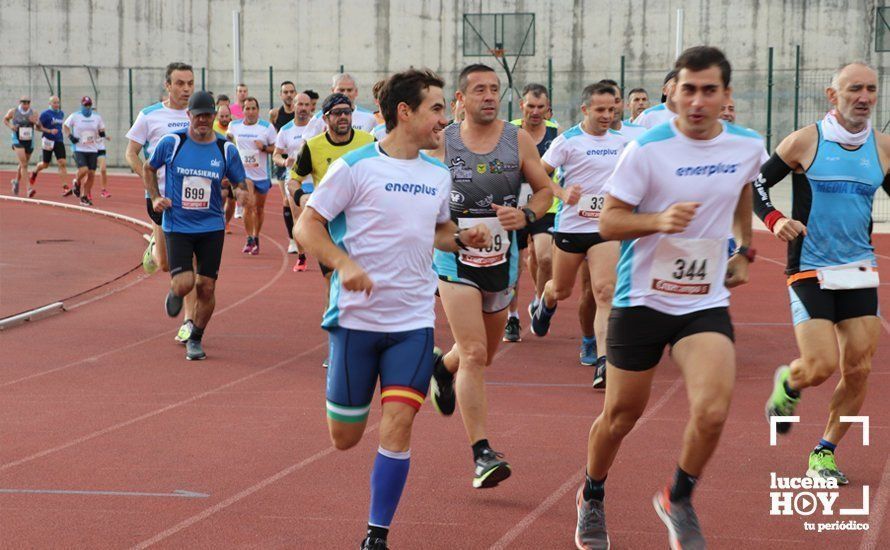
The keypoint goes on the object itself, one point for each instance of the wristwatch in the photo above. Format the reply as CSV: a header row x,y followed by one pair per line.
x,y
748,253
530,216
460,244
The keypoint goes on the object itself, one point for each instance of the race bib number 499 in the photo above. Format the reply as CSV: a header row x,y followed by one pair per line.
x,y
195,193
495,254
686,267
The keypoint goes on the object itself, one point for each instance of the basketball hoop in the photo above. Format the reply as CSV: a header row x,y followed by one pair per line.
x,y
497,52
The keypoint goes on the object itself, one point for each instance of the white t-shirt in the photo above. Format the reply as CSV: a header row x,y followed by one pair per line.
x,y
588,161
683,272
153,123
383,212
653,116
379,131
631,131
290,140
255,161
86,130
362,119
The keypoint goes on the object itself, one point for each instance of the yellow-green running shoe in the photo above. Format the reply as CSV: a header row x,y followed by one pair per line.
x,y
823,466
780,403
148,261
184,332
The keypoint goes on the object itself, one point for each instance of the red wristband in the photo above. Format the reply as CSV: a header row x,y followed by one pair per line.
x,y
771,219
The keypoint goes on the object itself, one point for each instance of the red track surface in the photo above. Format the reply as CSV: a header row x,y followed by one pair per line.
x,y
100,398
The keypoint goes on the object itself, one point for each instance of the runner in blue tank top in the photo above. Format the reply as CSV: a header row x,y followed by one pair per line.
x,y
838,165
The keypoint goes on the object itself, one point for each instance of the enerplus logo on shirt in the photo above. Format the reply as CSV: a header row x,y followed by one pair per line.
x,y
708,170
603,152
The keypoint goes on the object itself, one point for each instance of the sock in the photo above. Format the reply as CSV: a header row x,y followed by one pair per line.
x,y
249,239
256,240
588,339
824,444
793,394
184,321
302,256
480,446
375,532
387,482
197,334
593,489
289,222
514,314
683,485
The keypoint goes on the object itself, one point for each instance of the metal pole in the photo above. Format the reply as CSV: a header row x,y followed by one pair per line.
x,y
271,88
130,80
342,70
203,79
769,101
236,46
796,84
59,84
622,74
550,79
679,45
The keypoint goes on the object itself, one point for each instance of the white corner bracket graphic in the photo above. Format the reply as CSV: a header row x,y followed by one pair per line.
x,y
773,420
858,511
859,420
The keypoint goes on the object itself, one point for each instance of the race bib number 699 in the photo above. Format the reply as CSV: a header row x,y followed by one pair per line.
x,y
195,193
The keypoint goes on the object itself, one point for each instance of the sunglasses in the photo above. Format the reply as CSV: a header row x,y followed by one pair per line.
x,y
340,112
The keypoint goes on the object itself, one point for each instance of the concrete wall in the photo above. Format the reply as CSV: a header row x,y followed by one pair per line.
x,y
307,41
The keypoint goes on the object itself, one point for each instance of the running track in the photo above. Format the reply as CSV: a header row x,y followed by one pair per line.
x,y
99,399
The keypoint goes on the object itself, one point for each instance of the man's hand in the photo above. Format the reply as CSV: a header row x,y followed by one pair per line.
x,y
677,217
159,204
477,236
788,229
289,162
54,131
511,218
571,195
259,145
243,197
354,278
736,271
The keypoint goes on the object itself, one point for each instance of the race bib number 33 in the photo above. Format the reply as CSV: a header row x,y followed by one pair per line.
x,y
686,267
496,254
195,193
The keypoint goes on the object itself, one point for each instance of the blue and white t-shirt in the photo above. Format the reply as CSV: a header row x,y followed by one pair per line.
x,y
255,160
153,123
51,119
379,132
631,131
383,212
586,160
653,116
194,181
683,272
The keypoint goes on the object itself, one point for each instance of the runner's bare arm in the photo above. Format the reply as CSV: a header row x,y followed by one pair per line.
x,y
132,154
477,236
150,182
737,267
313,236
7,120
883,141
535,175
619,222
278,158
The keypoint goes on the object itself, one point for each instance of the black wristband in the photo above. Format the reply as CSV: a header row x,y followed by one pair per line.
x,y
460,244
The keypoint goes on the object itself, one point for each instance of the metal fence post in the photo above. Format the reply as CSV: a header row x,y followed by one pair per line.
x,y
769,101
622,75
796,84
59,84
342,70
203,79
130,91
550,79
271,88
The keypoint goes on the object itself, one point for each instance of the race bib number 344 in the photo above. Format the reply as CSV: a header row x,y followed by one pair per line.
x,y
686,267
496,254
195,193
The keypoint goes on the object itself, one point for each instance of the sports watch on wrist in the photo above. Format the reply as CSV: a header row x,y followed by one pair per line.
x,y
530,216
748,253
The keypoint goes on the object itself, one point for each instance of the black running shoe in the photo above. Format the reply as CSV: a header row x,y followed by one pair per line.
x,y
373,544
76,187
442,386
490,470
599,375
513,331
173,304
194,351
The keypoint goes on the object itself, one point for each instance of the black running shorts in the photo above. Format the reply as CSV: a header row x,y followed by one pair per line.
x,y
186,249
638,335
577,243
58,150
156,217
88,160
544,225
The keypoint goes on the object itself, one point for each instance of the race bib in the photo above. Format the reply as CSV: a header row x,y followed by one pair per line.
x,y
25,133
686,267
591,206
525,193
249,160
87,138
848,276
195,193
48,144
496,254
